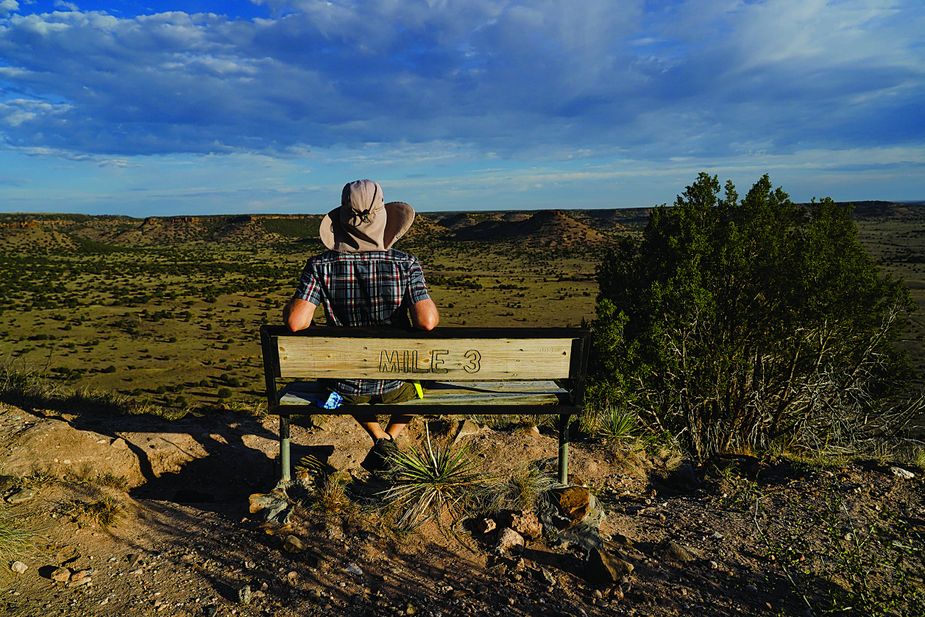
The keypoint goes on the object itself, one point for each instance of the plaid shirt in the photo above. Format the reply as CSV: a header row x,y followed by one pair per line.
x,y
375,288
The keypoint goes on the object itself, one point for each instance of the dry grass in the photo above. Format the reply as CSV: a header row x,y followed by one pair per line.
x,y
14,538
332,497
26,386
103,511
522,490
37,479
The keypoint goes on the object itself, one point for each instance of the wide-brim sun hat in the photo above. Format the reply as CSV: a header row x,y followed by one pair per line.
x,y
363,221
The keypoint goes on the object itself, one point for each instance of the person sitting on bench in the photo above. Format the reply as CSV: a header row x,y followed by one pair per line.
x,y
362,281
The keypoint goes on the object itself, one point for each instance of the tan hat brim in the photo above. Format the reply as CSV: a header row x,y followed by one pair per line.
x,y
338,237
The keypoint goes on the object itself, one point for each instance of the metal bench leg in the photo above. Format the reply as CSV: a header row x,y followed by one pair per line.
x,y
284,448
563,448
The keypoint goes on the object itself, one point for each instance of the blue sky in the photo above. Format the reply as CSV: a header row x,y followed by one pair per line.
x,y
168,107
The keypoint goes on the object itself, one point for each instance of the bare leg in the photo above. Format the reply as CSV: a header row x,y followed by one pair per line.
x,y
371,426
397,424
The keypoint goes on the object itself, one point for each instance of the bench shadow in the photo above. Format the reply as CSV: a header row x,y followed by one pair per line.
x,y
221,480
217,478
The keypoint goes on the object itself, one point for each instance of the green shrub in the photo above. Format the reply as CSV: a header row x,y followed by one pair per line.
x,y
745,325
224,393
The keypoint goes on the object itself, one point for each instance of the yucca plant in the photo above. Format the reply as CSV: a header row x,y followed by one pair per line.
x,y
617,424
427,481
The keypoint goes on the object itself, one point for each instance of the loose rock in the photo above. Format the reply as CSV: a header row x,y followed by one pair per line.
x,y
244,594
81,577
508,539
680,553
293,544
606,569
574,503
18,567
61,575
548,576
899,472
273,506
485,525
21,496
353,569
525,523
466,429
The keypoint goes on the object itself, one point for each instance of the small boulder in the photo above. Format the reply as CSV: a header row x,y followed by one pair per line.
x,y
485,525
899,472
81,577
530,430
60,575
466,429
605,569
293,544
20,496
525,523
573,503
681,553
508,540
245,594
18,567
274,506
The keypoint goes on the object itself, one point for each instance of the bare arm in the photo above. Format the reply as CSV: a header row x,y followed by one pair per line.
x,y
424,315
298,314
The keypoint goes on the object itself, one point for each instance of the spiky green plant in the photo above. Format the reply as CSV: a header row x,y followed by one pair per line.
x,y
428,481
618,424
311,464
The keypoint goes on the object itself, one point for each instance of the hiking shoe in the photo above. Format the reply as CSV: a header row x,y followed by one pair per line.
x,y
378,458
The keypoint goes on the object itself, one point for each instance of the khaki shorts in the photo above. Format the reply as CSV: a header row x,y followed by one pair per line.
x,y
403,393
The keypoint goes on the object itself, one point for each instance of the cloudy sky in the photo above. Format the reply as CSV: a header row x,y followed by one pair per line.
x,y
207,106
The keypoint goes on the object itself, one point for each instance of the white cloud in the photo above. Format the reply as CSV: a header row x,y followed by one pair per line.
x,y
515,78
8,6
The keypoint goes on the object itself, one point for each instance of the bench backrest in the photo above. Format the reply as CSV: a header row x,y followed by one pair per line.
x,y
445,354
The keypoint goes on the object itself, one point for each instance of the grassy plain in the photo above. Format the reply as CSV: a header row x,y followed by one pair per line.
x,y
896,240
177,325
171,319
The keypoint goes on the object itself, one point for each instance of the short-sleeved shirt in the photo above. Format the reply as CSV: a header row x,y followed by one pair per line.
x,y
375,288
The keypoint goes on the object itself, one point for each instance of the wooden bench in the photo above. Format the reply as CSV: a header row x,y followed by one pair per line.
x,y
477,371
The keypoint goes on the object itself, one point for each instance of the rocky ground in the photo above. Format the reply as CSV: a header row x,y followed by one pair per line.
x,y
131,515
